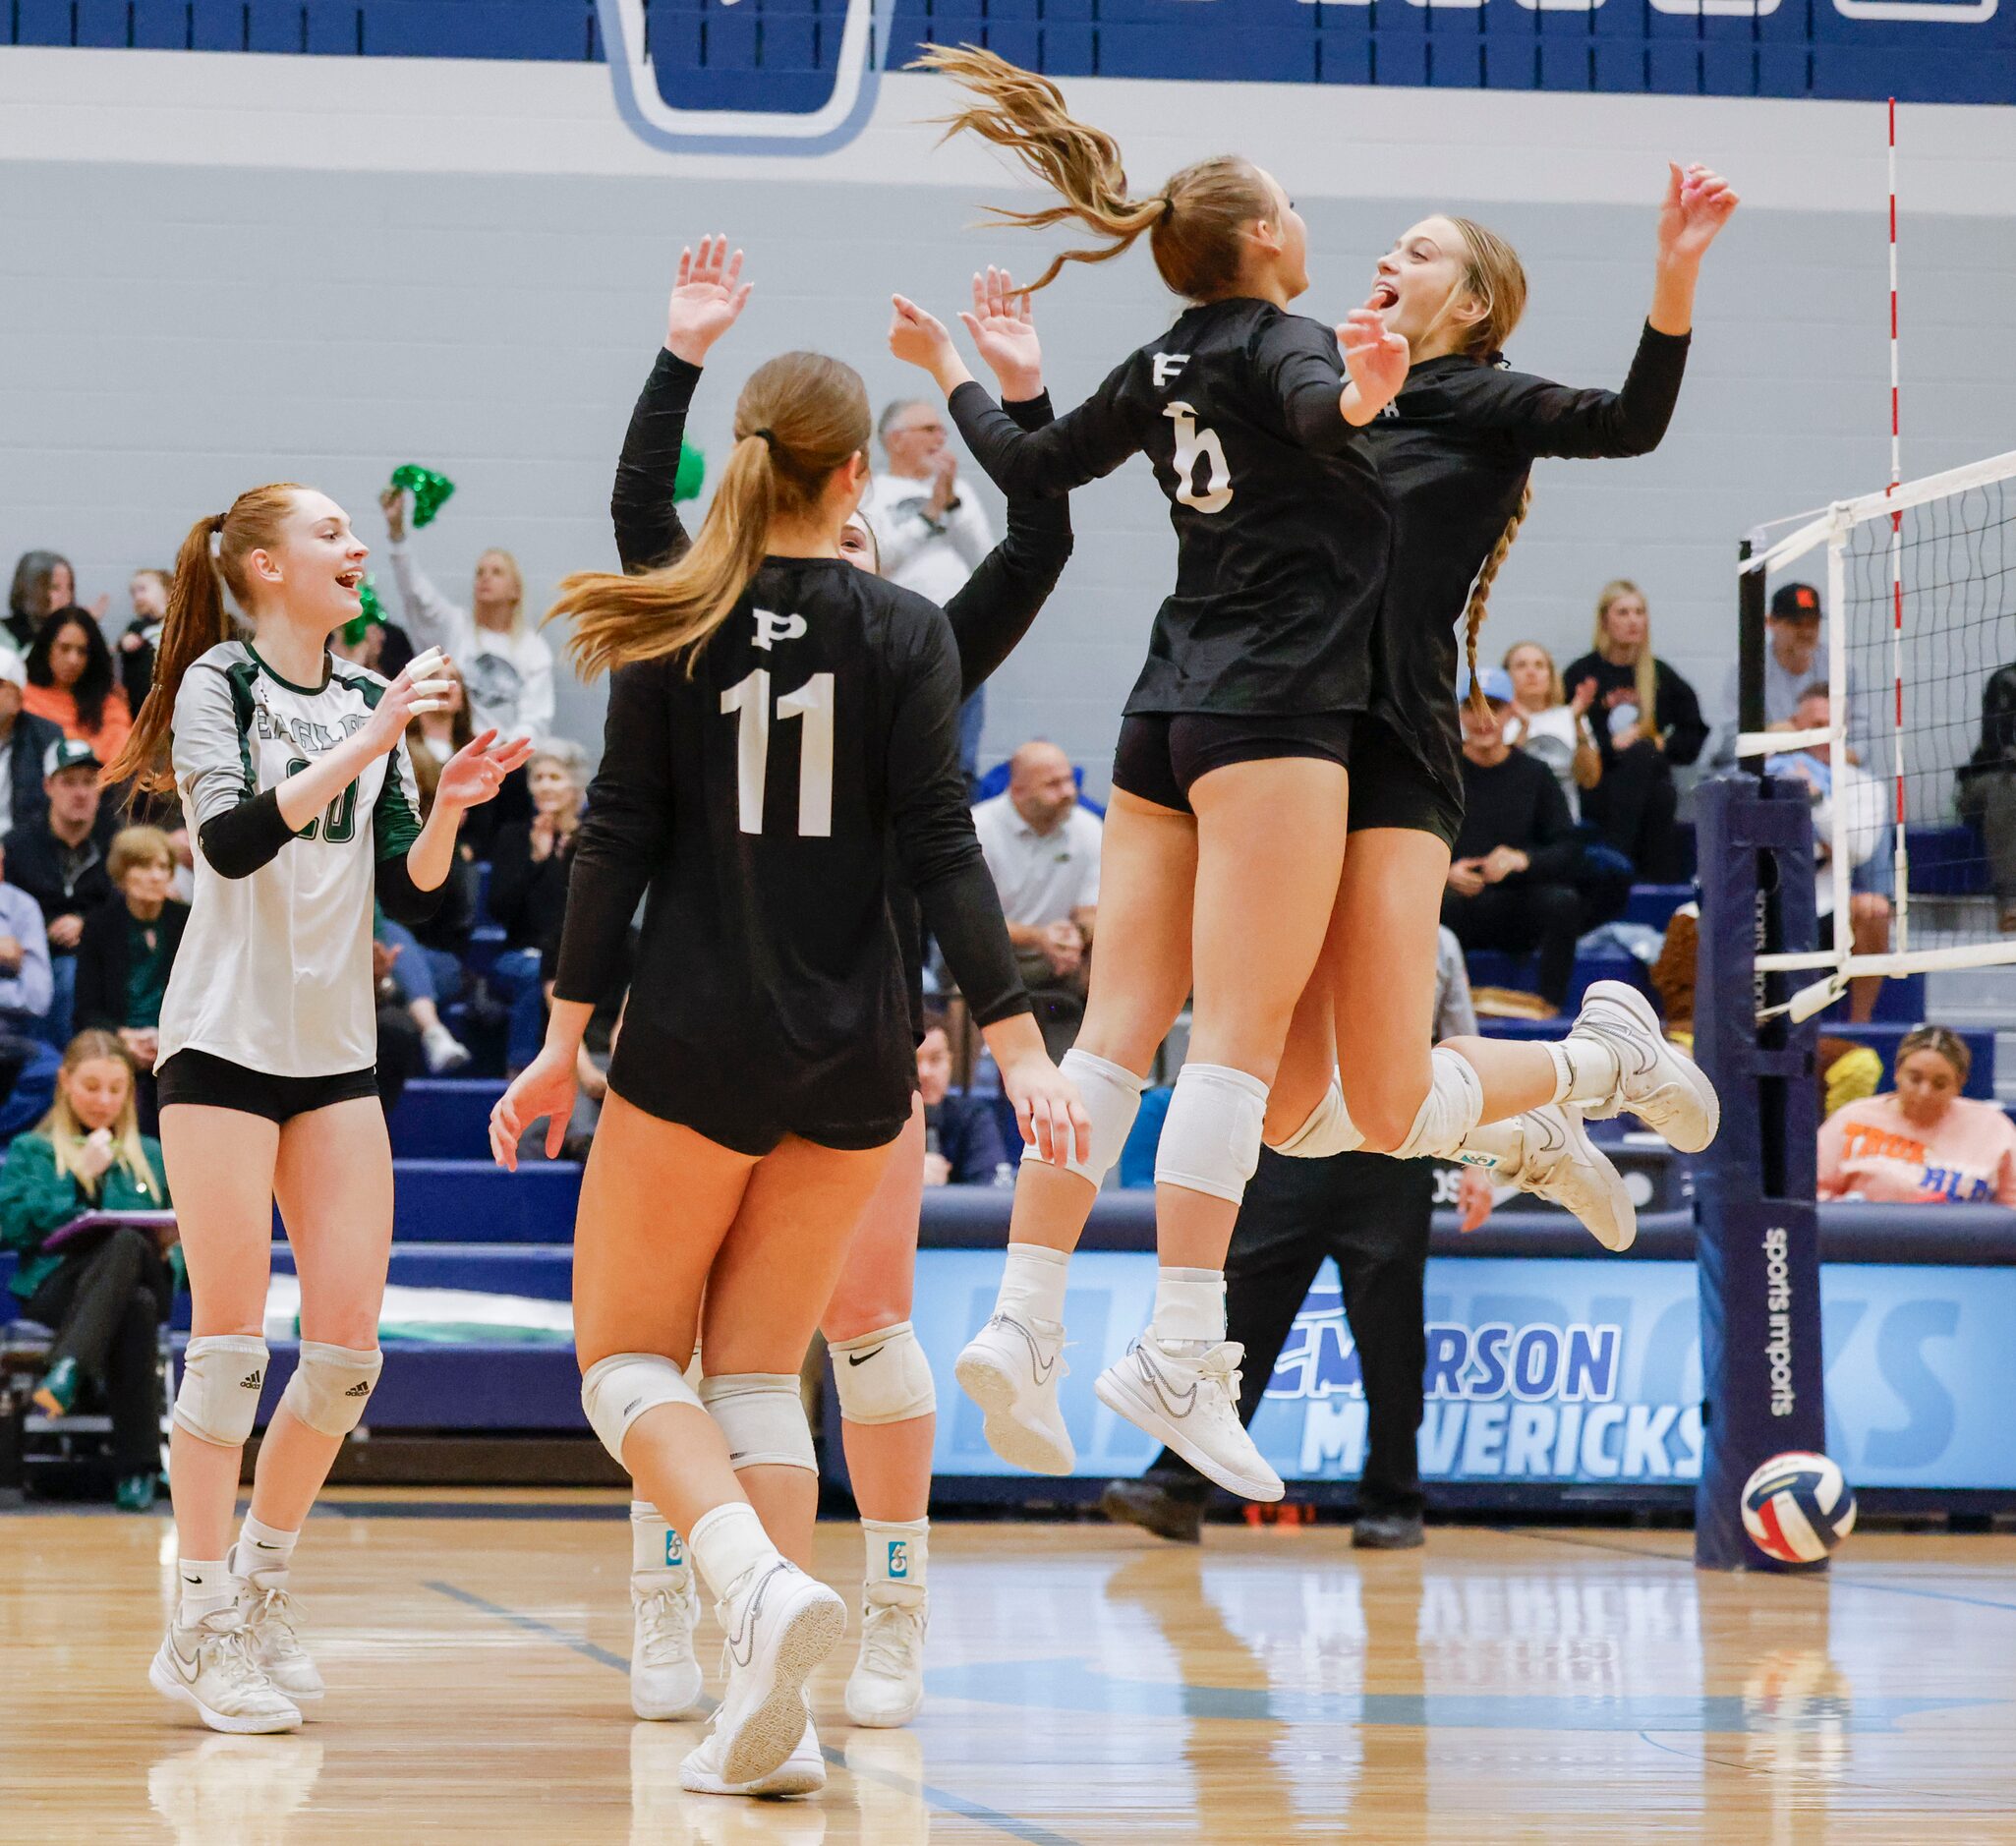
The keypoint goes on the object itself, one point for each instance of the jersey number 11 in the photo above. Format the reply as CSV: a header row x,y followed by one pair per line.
x,y
749,699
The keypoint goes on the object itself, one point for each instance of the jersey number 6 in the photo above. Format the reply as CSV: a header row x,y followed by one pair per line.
x,y
339,827
1193,445
813,702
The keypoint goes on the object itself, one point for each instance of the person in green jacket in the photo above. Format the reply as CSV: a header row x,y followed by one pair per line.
x,y
107,1291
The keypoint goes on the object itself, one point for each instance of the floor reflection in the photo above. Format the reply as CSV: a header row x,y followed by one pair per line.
x,y
235,1791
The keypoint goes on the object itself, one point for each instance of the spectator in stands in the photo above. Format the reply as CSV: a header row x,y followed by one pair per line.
x,y
28,1060
401,1053
1984,789
530,862
431,740
104,1291
1516,879
928,535
1792,662
962,1143
60,863
126,951
43,583
24,741
1842,787
148,588
1042,849
1547,724
72,683
507,663
1647,724
1923,1143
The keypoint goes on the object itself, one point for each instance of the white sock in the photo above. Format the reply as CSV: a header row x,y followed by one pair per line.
x,y
1586,1068
1189,1304
655,1543
898,1553
1032,1284
727,1543
208,1585
263,1552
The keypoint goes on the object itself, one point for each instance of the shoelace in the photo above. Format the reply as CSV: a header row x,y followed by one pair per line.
x,y
272,1619
664,1634
889,1633
227,1645
1221,1364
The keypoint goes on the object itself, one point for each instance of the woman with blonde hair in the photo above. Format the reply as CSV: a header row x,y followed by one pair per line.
x,y
1545,723
105,1291
1648,722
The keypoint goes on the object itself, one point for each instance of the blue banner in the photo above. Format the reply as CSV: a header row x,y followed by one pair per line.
x,y
1574,1372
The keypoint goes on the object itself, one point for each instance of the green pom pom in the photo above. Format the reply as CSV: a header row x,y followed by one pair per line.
x,y
430,490
692,473
372,610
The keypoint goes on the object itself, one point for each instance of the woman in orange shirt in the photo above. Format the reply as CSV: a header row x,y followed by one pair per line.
x,y
71,681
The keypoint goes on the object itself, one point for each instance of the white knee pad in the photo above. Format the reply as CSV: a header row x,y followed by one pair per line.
x,y
1328,1130
617,1390
884,1377
218,1397
1211,1136
1447,1113
331,1385
763,1416
1111,1096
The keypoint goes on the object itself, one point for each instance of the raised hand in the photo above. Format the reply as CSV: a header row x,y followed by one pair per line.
x,y
393,500
1003,324
1376,358
917,336
1698,204
477,771
708,298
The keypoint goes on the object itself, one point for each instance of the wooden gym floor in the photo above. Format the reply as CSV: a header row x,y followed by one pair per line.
x,y
1087,1686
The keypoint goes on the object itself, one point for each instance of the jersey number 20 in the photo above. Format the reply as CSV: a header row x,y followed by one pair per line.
x,y
1194,446
749,698
339,827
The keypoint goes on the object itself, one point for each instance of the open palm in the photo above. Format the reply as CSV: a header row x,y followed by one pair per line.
x,y
1003,324
707,299
1376,358
477,771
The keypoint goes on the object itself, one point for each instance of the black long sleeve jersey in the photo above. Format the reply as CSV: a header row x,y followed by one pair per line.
x,y
1455,449
755,797
1281,522
989,615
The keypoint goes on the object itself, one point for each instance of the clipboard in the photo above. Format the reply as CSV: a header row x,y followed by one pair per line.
x,y
155,1221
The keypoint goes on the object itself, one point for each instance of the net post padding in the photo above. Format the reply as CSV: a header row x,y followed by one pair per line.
x,y
1756,1227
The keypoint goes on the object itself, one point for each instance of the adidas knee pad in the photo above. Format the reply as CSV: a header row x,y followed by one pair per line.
x,y
1447,1113
331,1386
1112,1095
763,1416
884,1377
1211,1136
617,1390
218,1397
1328,1130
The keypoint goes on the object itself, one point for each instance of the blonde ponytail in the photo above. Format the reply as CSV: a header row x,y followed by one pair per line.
x,y
1480,589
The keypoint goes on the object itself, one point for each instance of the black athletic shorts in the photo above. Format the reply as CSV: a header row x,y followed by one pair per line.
x,y
196,1076
1161,755
1390,786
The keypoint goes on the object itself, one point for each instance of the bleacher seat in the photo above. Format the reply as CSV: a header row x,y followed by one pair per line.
x,y
1947,861
1492,967
473,1201
444,1119
1653,904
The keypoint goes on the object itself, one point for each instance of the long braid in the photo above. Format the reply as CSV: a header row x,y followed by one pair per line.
x,y
1480,591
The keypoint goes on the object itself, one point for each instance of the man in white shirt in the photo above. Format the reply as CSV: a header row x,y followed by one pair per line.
x,y
1042,849
928,536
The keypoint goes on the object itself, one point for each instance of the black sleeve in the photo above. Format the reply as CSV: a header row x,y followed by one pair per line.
x,y
647,529
1081,446
399,897
1680,717
992,609
1555,850
98,1006
623,836
935,837
1301,370
1548,419
241,839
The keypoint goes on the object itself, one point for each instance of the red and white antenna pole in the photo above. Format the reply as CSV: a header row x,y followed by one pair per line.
x,y
1902,901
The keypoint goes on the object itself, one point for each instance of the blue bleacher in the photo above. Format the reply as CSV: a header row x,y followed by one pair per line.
x,y
444,1119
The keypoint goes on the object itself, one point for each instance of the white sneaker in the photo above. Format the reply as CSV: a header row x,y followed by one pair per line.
x,y
802,1772
887,1686
1190,1402
212,1667
779,1628
1011,1368
1564,1166
664,1676
444,1051
1658,1081
269,1613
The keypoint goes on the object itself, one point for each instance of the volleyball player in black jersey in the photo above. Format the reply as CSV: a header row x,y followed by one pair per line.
x,y
1456,451
775,714
885,1386
1224,839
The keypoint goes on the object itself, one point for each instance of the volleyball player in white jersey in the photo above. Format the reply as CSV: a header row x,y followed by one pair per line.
x,y
292,771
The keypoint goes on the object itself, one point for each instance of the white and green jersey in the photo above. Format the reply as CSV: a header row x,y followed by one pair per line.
x,y
275,968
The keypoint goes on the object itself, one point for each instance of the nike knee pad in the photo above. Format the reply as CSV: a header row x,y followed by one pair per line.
x,y
219,1398
1328,1130
763,1416
617,1390
1111,1096
1447,1113
884,1377
1211,1136
331,1386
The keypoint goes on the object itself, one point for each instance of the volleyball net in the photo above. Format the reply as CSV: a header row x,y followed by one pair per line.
x,y
1910,758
